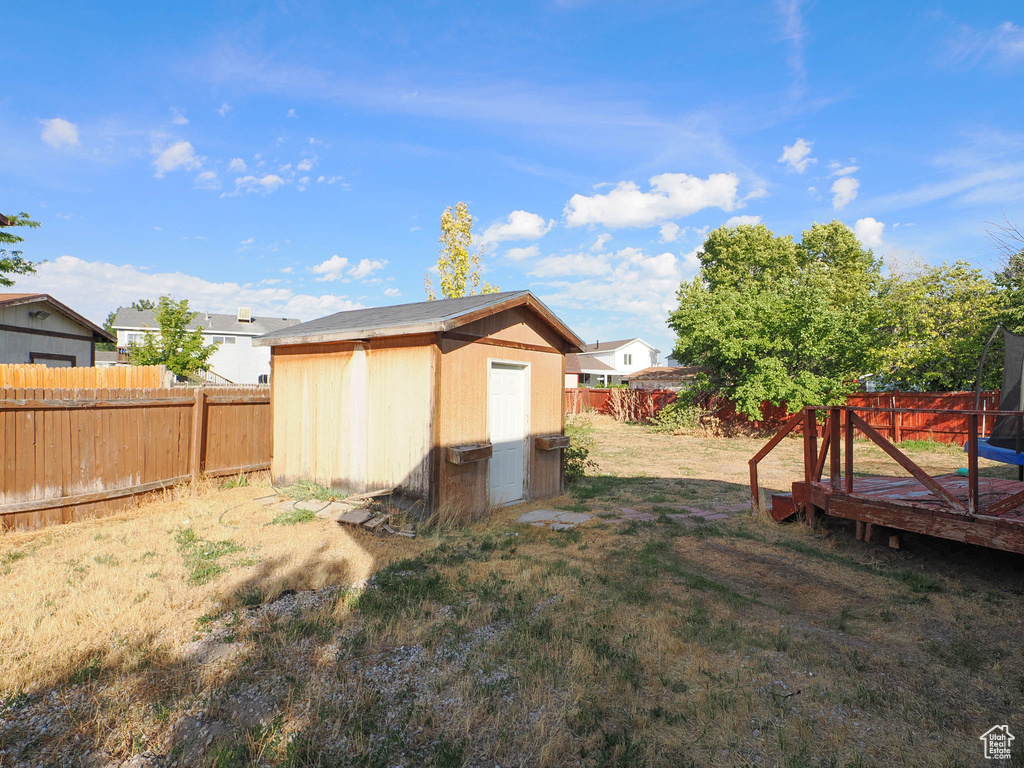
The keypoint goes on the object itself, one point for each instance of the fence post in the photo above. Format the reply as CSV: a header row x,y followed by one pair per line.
x,y
897,420
198,433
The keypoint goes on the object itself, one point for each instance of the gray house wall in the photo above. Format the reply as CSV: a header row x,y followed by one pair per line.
x,y
23,338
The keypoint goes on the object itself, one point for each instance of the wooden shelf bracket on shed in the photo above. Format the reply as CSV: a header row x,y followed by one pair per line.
x,y
466,454
552,442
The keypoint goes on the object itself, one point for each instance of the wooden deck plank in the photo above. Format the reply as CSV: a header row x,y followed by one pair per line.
x,y
905,504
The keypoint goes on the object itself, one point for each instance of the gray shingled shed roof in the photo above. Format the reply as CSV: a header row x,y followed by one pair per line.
x,y
130,319
405,319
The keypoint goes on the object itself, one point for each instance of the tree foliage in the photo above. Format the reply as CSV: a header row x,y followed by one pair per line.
x,y
779,321
12,261
936,324
800,322
459,266
183,351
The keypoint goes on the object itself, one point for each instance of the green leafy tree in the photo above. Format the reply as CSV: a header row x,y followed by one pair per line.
x,y
174,345
108,326
459,266
12,261
936,324
144,304
778,321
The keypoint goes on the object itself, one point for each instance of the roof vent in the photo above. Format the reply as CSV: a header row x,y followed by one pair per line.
x,y
244,315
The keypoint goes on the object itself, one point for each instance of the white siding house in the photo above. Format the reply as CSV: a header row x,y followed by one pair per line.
x,y
236,360
611,362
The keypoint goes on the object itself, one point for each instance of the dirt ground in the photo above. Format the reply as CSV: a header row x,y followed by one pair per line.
x,y
203,629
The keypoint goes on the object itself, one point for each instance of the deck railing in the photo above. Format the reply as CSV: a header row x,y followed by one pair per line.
x,y
840,423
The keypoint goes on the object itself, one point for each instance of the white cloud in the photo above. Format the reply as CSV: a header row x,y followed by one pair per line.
x,y
94,288
248,241
869,231
179,156
520,225
178,116
1003,45
392,292
670,232
339,268
306,164
600,243
237,165
691,260
572,264
330,270
518,254
59,133
366,267
741,221
264,185
672,195
291,113
223,109
798,156
844,191
628,281
838,169
208,180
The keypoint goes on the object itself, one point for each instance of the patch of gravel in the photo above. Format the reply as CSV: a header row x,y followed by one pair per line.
x,y
445,678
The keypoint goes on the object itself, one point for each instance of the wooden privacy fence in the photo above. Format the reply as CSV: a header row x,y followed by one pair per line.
x,y
70,454
639,405
898,425
110,376
898,415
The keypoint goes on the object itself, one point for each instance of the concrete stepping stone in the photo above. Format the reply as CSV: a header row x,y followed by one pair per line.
x,y
311,505
544,517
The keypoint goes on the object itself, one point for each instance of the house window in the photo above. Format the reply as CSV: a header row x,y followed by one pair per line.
x,y
229,339
627,359
135,338
222,339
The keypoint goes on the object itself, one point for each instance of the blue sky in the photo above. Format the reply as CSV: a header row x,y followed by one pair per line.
x,y
295,157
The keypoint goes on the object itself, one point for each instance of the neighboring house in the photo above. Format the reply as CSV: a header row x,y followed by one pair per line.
x,y
236,360
671,362
611,362
580,367
453,405
670,377
36,328
106,359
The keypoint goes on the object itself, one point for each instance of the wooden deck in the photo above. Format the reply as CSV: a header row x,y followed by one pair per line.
x,y
904,504
985,511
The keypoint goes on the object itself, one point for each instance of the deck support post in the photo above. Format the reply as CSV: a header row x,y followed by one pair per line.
x,y
849,451
833,439
860,530
972,464
810,460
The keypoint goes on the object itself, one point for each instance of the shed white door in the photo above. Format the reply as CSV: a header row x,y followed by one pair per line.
x,y
507,424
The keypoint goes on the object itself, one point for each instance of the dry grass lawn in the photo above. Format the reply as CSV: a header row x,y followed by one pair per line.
x,y
171,635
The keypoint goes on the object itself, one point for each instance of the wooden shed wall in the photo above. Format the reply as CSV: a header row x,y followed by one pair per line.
x,y
354,416
462,399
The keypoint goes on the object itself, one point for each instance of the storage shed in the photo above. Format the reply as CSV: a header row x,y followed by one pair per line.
x,y
454,403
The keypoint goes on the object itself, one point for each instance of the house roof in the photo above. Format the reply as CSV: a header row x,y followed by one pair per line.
x,y
611,346
105,356
667,372
212,322
585,364
16,299
421,317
